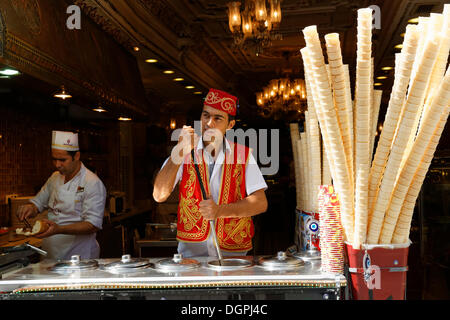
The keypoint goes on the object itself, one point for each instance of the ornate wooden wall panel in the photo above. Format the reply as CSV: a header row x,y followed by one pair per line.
x,y
34,38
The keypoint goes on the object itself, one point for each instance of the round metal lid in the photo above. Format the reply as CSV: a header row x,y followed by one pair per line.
x,y
127,264
177,263
281,261
75,264
309,255
230,264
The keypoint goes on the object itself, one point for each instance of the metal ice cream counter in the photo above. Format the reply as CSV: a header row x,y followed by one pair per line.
x,y
204,278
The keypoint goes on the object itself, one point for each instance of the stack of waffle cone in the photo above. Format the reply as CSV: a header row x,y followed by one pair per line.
x,y
334,145
326,173
415,98
306,180
399,89
377,194
295,135
313,100
314,157
362,114
403,225
432,118
341,98
301,190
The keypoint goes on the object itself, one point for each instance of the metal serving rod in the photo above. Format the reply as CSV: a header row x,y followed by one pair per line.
x,y
211,222
41,252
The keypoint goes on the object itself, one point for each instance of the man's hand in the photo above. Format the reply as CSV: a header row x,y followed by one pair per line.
x,y
52,229
186,142
209,209
26,211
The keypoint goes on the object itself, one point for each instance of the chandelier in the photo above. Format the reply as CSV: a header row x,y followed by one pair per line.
x,y
255,25
282,96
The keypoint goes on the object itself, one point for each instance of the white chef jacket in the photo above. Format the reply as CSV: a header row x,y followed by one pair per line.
x,y
254,181
80,199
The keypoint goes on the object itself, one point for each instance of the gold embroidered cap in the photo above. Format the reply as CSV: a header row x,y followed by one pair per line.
x,y
221,100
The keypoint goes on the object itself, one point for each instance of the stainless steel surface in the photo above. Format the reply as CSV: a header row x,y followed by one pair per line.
x,y
230,264
11,257
308,255
38,277
126,264
75,264
280,261
177,263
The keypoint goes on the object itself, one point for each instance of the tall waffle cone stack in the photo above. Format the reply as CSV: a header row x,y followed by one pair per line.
x,y
377,183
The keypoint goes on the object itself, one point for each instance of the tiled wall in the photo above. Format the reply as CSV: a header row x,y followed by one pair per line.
x,y
25,153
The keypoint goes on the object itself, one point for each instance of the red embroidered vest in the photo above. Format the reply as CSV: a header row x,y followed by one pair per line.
x,y
233,234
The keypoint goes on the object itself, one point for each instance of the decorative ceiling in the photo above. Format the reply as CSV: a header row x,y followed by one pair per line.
x,y
192,38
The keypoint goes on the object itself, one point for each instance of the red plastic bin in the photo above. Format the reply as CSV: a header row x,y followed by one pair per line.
x,y
386,279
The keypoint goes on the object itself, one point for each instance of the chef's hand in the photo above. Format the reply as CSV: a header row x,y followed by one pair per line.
x,y
52,229
209,209
26,211
186,142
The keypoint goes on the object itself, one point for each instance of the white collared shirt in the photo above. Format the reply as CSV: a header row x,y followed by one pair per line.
x,y
254,179
87,204
80,199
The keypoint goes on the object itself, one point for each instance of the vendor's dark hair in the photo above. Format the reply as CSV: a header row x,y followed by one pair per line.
x,y
72,153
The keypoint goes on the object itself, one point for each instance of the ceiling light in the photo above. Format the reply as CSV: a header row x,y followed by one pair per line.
x,y
387,68
189,87
168,71
382,77
256,22
282,95
124,119
173,123
136,49
9,72
377,84
414,20
399,46
99,109
151,60
402,35
178,79
197,92
63,94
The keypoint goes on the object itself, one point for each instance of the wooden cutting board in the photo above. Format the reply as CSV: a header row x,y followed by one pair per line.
x,y
11,239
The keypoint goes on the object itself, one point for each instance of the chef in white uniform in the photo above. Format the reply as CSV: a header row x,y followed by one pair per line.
x,y
75,198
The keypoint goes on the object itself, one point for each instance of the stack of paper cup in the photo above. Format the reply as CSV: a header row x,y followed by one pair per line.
x,y
331,232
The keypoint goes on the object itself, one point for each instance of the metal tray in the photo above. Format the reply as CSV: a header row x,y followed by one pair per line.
x,y
230,264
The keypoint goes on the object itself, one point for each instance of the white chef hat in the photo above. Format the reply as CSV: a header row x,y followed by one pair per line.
x,y
64,140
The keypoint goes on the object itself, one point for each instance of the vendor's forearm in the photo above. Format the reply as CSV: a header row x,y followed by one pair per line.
x,y
252,205
82,227
164,181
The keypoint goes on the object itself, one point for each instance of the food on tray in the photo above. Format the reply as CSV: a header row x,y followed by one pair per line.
x,y
39,227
